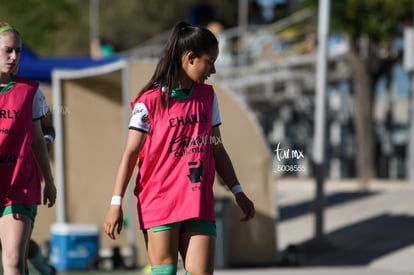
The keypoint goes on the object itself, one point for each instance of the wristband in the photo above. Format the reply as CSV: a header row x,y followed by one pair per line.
x,y
116,200
49,138
236,189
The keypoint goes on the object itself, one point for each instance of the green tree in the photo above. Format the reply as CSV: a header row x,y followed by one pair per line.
x,y
371,27
61,27
128,23
41,23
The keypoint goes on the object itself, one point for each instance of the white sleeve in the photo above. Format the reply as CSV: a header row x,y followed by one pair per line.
x,y
139,120
39,105
216,112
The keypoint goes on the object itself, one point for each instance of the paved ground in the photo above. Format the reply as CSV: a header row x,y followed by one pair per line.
x,y
366,233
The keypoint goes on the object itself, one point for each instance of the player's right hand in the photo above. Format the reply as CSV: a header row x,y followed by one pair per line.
x,y
114,221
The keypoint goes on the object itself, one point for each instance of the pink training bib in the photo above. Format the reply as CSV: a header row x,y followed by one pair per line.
x,y
176,165
18,178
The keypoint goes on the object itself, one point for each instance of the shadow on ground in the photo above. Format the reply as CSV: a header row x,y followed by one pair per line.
x,y
357,244
295,210
363,242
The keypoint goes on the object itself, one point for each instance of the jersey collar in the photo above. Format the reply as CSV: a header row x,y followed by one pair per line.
x,y
10,85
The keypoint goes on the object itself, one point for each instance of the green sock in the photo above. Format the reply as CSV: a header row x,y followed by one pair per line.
x,y
39,262
164,269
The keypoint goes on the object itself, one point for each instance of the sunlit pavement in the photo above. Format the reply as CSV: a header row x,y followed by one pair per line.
x,y
366,232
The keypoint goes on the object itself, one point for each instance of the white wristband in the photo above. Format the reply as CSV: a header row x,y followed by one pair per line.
x,y
49,137
236,189
116,200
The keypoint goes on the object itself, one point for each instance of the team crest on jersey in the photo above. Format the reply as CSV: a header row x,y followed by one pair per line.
x,y
145,119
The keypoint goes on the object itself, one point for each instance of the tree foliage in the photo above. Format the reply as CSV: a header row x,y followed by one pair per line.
x,y
371,26
39,22
378,19
61,27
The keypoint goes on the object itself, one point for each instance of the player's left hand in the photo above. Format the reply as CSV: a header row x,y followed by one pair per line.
x,y
246,205
49,194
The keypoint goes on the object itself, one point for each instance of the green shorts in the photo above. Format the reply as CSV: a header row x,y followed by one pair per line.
x,y
27,210
191,225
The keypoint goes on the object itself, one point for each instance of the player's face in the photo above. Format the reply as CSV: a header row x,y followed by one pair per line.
x,y
10,50
202,67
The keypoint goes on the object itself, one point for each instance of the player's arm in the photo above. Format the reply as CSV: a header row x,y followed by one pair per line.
x,y
133,145
222,160
226,171
40,154
138,127
48,129
114,218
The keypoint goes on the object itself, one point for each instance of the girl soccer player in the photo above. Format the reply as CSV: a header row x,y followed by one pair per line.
x,y
174,132
21,139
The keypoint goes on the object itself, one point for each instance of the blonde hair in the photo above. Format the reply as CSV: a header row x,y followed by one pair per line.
x,y
10,29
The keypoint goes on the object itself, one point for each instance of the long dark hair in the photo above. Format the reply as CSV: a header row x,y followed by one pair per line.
x,y
183,38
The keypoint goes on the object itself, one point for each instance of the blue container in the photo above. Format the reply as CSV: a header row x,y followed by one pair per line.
x,y
73,246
